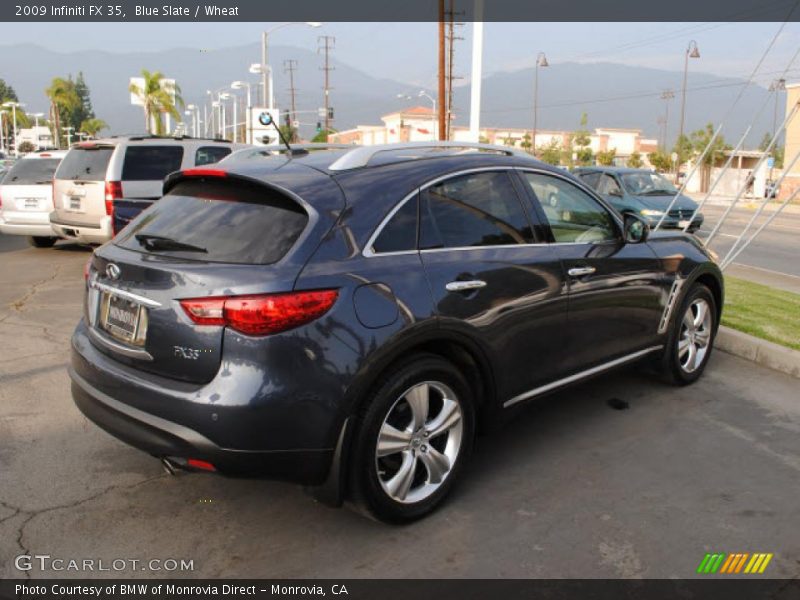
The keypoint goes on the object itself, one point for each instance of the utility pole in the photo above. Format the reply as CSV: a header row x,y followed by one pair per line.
x,y
451,39
328,43
288,67
442,98
666,95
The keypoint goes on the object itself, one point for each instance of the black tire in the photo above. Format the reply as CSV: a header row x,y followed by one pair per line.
x,y
671,366
366,488
42,242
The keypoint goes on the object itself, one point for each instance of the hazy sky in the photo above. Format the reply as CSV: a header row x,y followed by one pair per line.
x,y
406,51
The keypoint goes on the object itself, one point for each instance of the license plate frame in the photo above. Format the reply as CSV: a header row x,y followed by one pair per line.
x,y
123,319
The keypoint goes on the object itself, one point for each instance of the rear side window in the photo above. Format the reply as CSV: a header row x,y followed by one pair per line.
x,y
151,163
32,171
400,233
480,209
207,155
590,179
85,164
225,221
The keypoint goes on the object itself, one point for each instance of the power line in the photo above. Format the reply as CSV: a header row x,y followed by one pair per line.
x,y
289,66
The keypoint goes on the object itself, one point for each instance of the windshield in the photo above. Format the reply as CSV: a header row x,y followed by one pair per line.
x,y
32,171
647,182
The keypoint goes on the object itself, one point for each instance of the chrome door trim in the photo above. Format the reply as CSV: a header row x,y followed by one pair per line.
x,y
582,375
125,294
581,271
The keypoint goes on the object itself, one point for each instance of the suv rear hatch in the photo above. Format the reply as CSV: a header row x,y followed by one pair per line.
x,y
79,188
209,238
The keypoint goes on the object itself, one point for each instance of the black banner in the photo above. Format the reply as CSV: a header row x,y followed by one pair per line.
x,y
407,10
732,588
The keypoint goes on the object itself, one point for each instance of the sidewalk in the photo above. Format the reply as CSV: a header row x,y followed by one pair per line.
x,y
745,203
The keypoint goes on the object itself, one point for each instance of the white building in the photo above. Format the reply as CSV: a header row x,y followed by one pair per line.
x,y
40,137
419,123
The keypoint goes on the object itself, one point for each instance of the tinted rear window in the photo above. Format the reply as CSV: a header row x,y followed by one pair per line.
x,y
85,164
207,155
32,171
151,163
235,222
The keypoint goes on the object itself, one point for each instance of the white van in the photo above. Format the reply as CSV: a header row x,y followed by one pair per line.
x,y
95,174
26,197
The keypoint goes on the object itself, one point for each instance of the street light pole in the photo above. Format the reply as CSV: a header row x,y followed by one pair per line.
x,y
691,52
541,61
36,128
237,85
775,87
266,71
433,101
13,106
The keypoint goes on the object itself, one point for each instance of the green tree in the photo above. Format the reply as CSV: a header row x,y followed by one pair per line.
x,y
551,153
26,147
660,160
322,136
7,92
635,161
63,98
606,157
158,98
483,139
581,141
93,126
508,141
700,140
526,142
83,111
777,151
289,133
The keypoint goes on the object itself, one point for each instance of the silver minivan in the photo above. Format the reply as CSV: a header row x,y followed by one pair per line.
x,y
26,197
94,174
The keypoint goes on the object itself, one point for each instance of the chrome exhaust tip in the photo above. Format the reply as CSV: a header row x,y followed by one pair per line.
x,y
169,467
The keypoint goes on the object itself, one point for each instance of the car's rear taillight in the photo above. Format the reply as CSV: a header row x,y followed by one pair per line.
x,y
113,192
261,314
87,268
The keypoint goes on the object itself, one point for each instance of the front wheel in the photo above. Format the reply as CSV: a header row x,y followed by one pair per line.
x,y
412,440
691,337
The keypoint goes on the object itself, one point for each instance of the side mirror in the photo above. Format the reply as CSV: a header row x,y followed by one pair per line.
x,y
616,192
636,229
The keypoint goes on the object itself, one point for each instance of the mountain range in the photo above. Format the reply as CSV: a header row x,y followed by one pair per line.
x,y
612,95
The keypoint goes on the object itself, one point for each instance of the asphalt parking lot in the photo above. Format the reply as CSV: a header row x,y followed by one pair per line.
x,y
572,487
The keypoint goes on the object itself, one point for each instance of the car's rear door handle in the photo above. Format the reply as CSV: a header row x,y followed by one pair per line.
x,y
461,286
580,271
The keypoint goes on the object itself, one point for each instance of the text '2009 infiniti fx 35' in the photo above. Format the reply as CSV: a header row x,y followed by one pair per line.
x,y
346,318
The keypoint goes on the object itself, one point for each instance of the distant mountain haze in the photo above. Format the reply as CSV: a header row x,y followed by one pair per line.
x,y
612,95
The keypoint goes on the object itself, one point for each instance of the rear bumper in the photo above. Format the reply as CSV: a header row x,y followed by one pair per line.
x,y
86,234
32,224
176,432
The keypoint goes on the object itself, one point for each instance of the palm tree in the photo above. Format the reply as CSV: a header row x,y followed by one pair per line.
x,y
157,97
92,126
62,97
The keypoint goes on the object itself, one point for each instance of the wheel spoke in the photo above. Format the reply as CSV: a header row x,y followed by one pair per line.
x,y
702,310
418,399
692,358
683,347
437,464
688,320
399,485
447,417
391,440
702,338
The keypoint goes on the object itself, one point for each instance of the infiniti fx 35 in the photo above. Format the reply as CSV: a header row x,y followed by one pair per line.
x,y
346,319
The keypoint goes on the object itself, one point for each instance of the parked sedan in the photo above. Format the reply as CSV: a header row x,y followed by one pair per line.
x,y
26,198
347,319
642,192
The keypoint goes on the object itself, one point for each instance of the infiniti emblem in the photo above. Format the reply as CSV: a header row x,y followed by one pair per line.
x,y
113,271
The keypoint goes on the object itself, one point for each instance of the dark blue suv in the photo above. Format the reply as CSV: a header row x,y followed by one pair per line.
x,y
346,319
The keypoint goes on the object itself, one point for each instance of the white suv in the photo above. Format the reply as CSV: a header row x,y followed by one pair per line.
x,y
26,197
95,174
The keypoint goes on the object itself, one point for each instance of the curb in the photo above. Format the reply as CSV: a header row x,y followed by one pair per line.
x,y
764,353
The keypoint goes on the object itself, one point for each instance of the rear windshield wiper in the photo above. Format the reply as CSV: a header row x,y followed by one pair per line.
x,y
659,192
159,242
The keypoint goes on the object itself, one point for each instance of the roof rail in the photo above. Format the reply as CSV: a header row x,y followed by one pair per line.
x,y
361,155
308,146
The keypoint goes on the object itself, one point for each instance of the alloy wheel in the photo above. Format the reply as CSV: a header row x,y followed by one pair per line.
x,y
419,442
695,335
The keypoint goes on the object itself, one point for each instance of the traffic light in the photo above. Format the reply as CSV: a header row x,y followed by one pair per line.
x,y
319,126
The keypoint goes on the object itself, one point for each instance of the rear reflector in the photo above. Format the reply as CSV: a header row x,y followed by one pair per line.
x,y
262,314
87,268
203,465
201,172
